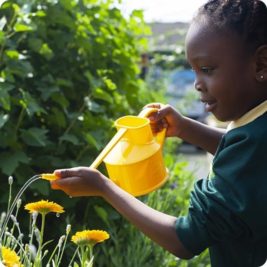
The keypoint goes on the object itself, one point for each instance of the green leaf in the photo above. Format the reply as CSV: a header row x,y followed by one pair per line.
x,y
2,37
102,213
15,7
64,82
35,137
4,95
110,84
68,4
35,44
60,99
30,104
10,161
3,119
22,27
58,117
138,13
69,138
98,93
46,51
60,17
91,140
13,54
21,68
93,106
40,13
47,91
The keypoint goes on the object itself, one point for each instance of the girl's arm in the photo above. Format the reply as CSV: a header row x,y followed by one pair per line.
x,y
201,135
156,225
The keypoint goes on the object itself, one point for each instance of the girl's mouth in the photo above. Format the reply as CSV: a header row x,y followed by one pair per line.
x,y
209,105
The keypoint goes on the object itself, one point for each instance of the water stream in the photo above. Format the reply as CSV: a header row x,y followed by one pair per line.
x,y
19,194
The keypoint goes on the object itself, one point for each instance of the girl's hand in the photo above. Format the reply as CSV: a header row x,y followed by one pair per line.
x,y
80,181
166,117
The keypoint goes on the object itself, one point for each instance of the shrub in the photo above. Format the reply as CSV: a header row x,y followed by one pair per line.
x,y
67,69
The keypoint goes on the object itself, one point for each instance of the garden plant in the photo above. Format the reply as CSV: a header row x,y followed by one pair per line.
x,y
68,69
15,252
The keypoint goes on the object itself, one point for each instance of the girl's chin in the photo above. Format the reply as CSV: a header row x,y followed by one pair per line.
x,y
221,117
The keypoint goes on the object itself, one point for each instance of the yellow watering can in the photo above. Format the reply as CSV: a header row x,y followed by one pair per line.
x,y
133,157
134,160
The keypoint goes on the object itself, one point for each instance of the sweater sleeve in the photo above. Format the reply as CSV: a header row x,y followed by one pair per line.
x,y
228,204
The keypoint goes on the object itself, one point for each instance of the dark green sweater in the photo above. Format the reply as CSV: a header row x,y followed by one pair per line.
x,y
228,212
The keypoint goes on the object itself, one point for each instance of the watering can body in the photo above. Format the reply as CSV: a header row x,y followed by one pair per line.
x,y
136,163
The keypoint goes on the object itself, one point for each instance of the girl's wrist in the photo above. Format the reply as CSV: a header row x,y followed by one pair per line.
x,y
106,187
180,126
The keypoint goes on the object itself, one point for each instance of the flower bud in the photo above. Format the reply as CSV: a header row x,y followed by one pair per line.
x,y
10,180
19,203
21,235
13,218
61,240
34,217
45,253
32,250
38,235
68,228
2,218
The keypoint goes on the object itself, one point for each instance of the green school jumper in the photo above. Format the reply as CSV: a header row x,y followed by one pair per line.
x,y
228,211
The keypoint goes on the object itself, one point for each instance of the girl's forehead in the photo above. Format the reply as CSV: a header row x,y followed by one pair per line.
x,y
204,40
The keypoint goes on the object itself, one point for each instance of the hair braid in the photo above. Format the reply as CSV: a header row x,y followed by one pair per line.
x,y
248,18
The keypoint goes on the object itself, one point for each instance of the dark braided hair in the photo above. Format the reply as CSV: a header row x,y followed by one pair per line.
x,y
247,18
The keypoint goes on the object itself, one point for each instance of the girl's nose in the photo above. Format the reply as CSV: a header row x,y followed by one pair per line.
x,y
198,85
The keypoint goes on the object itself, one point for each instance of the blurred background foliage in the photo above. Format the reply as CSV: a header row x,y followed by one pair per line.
x,y
68,68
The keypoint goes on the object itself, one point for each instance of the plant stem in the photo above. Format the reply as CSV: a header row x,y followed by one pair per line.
x,y
72,123
39,252
21,115
21,191
9,197
63,248
73,257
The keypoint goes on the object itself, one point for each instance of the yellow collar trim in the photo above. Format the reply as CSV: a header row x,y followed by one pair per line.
x,y
249,116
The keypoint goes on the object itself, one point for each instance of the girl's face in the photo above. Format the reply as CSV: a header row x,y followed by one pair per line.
x,y
224,71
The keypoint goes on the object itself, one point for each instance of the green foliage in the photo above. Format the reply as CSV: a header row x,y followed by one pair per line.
x,y
67,70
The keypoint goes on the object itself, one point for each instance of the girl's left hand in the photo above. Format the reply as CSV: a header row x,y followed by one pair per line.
x,y
79,181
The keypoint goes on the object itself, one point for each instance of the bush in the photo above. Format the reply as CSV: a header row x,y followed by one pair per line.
x,y
67,69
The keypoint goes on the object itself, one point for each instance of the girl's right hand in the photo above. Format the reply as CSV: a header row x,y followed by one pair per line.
x,y
166,117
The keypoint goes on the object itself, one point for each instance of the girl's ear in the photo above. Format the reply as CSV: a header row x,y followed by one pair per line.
x,y
261,63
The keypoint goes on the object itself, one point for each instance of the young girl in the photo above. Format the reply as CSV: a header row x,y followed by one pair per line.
x,y
226,46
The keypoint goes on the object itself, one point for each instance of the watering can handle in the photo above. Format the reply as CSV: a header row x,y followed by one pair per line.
x,y
160,136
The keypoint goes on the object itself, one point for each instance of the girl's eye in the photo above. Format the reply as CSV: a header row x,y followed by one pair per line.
x,y
207,70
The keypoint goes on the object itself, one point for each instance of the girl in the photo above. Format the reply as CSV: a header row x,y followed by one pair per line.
x,y
226,46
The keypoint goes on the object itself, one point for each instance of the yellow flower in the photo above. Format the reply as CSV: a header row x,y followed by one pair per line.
x,y
89,237
10,258
44,207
